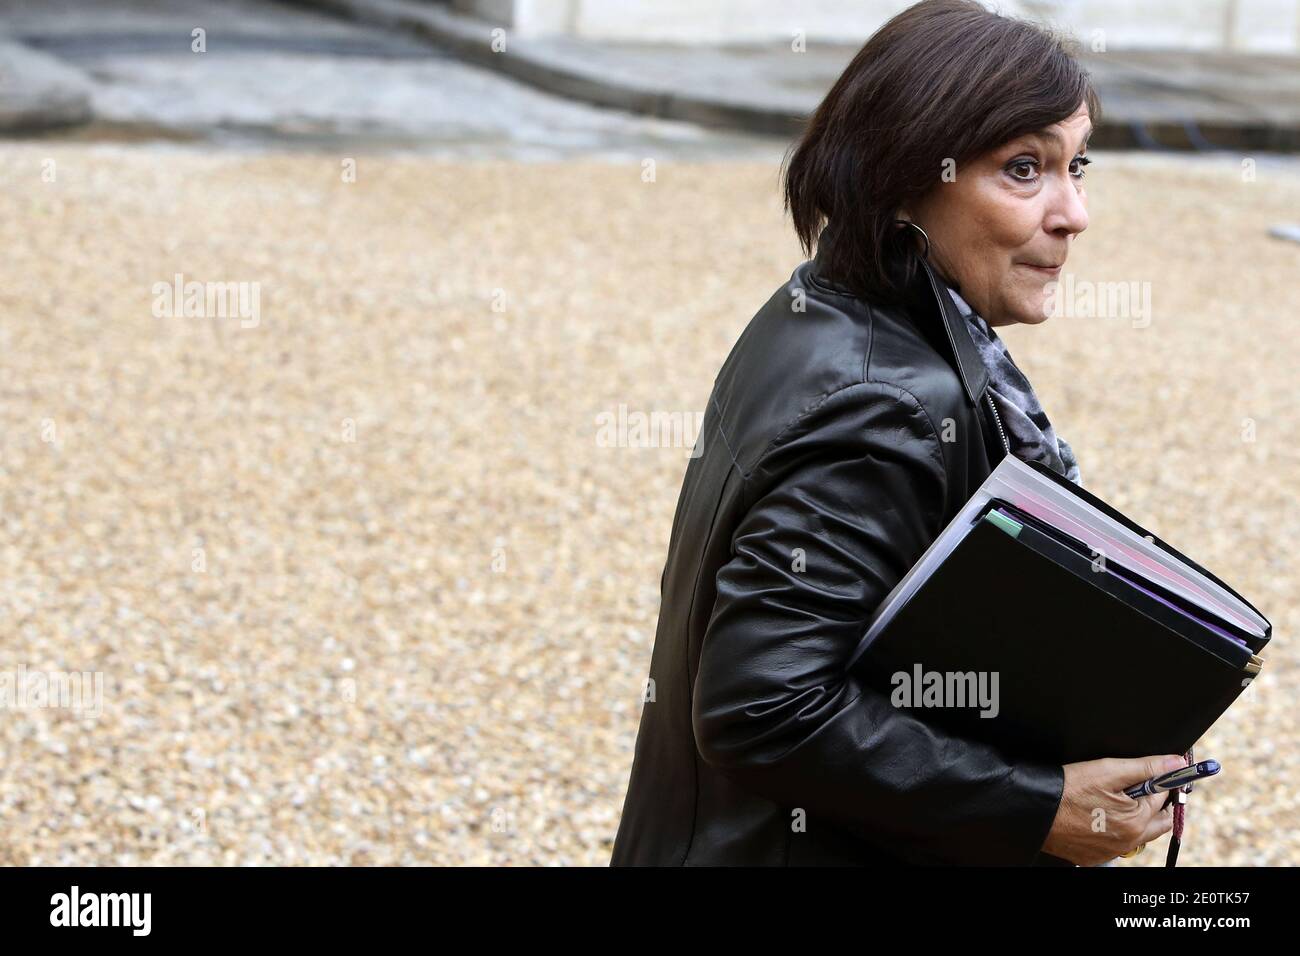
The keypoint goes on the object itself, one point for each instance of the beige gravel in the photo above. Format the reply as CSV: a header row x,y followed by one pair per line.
x,y
425,595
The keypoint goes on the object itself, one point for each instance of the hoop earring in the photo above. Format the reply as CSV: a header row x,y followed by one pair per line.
x,y
908,222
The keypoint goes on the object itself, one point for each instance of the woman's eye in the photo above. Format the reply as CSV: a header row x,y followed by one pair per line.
x,y
1076,167
1024,170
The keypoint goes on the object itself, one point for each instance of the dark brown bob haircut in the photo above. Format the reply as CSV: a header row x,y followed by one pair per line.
x,y
945,80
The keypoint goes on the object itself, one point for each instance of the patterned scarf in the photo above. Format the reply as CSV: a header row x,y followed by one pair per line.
x,y
1029,432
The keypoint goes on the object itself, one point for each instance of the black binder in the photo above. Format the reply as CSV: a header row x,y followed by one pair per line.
x,y
1092,658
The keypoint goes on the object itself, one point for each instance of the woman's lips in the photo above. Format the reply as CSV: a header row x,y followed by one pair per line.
x,y
1043,270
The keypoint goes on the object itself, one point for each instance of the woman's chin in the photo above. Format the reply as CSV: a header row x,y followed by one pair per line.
x,y
1021,313
1032,306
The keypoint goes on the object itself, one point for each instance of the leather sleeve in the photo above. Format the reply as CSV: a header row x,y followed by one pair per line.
x,y
858,483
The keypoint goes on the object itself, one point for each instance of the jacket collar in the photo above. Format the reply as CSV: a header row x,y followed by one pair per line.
x,y
970,366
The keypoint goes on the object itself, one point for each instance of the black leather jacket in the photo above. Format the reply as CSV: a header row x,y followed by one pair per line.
x,y
838,442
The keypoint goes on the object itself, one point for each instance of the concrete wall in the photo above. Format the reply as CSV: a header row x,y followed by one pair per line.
x,y
1258,25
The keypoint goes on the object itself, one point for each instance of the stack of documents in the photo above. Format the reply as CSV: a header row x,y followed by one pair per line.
x,y
1099,639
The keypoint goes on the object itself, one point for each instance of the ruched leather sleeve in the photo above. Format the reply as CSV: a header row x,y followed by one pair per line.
x,y
858,483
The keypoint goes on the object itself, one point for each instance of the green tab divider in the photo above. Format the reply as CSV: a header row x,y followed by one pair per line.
x,y
1006,524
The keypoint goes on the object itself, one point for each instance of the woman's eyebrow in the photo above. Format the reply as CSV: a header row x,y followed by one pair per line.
x,y
1056,138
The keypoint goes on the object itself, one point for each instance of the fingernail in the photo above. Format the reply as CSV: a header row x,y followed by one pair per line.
x,y
1173,763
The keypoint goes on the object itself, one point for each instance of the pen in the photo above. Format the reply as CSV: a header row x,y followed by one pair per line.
x,y
1174,779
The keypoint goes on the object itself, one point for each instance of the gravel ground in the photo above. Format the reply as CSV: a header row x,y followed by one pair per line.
x,y
362,584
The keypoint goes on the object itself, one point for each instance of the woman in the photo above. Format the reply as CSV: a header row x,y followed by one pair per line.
x,y
941,181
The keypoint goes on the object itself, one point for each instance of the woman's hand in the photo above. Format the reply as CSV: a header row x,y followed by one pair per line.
x,y
1096,821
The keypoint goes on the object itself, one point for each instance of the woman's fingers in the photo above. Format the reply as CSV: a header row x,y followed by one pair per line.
x,y
1154,803
1127,772
1157,826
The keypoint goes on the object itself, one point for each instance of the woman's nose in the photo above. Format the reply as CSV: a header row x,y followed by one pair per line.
x,y
1068,214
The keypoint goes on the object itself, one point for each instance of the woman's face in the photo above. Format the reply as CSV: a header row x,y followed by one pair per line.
x,y
1001,230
